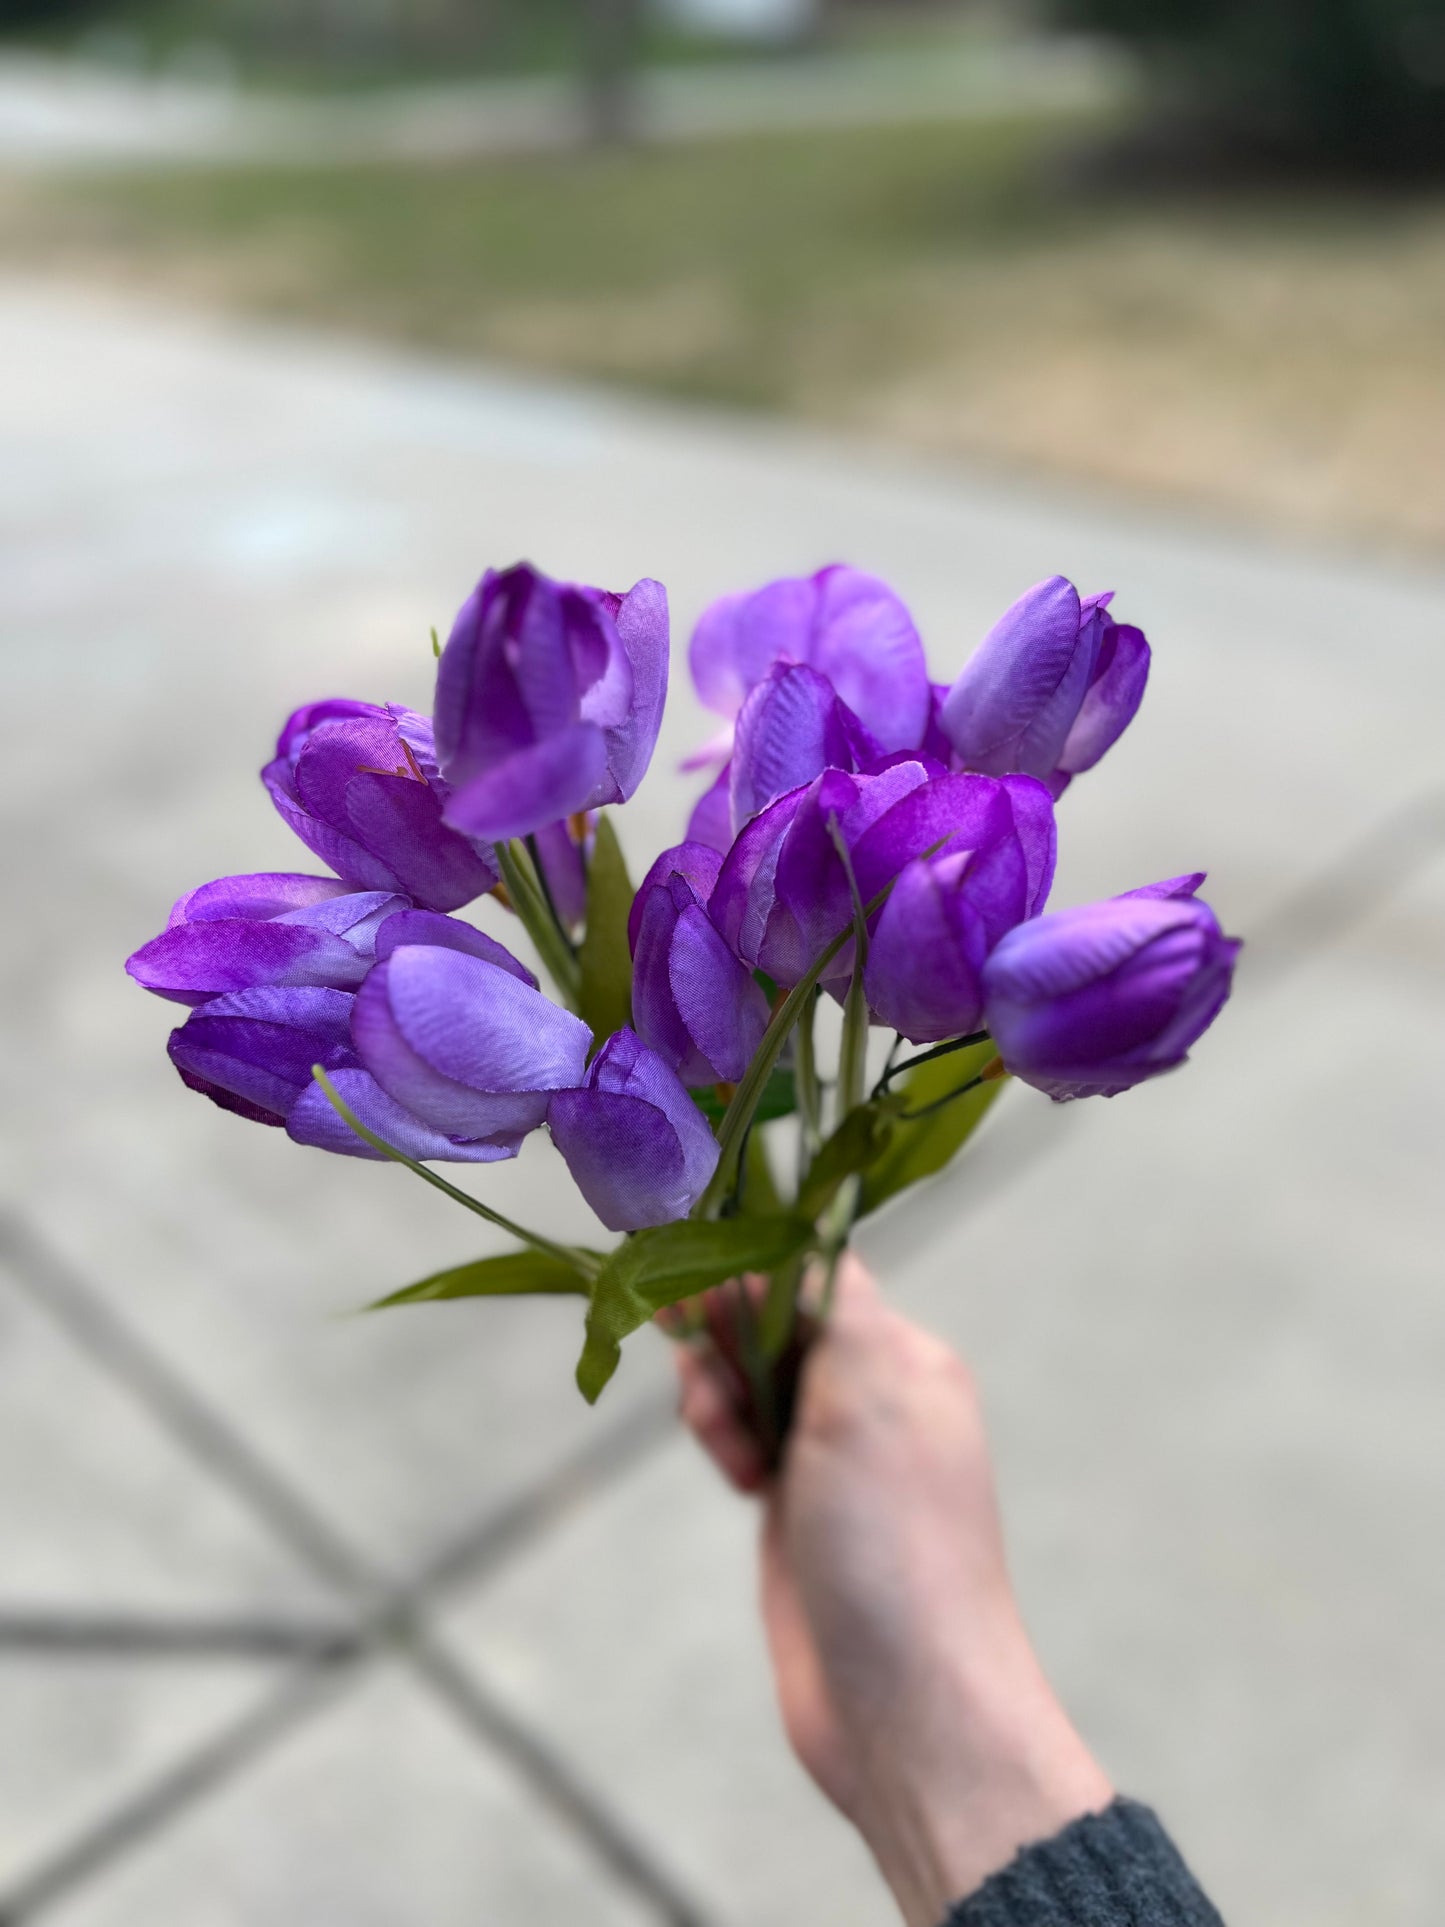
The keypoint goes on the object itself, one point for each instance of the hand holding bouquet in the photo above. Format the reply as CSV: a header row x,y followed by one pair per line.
x,y
871,846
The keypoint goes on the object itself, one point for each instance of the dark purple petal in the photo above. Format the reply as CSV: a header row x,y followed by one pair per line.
x,y
564,871
314,1120
1037,830
922,975
298,726
1111,700
637,1146
693,1002
259,1045
698,864
1094,1000
400,820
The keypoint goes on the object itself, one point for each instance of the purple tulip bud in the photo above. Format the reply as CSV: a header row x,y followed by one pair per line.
x,y
850,627
637,1146
549,699
241,932
693,1002
1054,683
783,892
464,1043
1090,1001
946,912
360,786
792,727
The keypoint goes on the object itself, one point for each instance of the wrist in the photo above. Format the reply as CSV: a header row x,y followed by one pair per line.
x,y
988,1767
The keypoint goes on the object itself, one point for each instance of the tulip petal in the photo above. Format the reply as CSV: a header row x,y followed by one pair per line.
x,y
723,1010
1012,707
643,629
553,778
695,862
449,933
922,975
314,1120
1111,700
711,820
400,820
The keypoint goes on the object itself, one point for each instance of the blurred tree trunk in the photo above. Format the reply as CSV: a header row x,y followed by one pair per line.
x,y
611,32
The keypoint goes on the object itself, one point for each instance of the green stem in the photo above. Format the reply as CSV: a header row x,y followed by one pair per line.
x,y
805,1083
588,1267
524,887
853,1057
927,1057
927,1110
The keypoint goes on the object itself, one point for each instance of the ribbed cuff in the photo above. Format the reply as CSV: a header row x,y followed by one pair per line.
x,y
1118,1868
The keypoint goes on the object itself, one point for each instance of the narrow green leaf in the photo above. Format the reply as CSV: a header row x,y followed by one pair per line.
x,y
919,1149
670,1262
779,1099
863,1137
606,995
510,1273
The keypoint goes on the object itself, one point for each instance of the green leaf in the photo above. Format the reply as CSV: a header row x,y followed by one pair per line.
x,y
919,1149
779,1099
606,996
669,1262
863,1137
510,1273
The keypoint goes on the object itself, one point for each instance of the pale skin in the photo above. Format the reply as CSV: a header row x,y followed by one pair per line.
x,y
908,1687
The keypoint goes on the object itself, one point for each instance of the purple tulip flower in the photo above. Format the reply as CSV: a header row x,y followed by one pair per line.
x,y
241,932
850,627
464,1043
252,1052
359,785
946,912
783,893
1090,1001
1052,686
792,727
693,1002
638,1148
549,698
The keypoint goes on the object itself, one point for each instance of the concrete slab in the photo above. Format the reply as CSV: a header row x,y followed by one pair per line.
x,y
84,1736
376,1812
103,1513
631,1640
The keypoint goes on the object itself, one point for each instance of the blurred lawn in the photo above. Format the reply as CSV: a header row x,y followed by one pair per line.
x,y
1281,357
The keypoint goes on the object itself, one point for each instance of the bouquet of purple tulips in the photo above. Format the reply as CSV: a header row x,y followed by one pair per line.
x,y
873,847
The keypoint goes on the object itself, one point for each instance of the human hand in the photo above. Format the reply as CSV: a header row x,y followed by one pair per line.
x,y
907,1684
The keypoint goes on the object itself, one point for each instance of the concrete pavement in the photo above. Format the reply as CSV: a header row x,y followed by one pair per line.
x,y
369,1620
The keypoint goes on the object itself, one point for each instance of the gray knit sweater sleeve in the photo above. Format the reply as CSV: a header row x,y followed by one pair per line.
x,y
1118,1868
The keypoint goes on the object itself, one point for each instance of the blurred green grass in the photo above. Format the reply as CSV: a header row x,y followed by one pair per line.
x,y
950,287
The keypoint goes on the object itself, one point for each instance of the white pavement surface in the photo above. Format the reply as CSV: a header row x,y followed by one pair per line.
x,y
61,114
368,1620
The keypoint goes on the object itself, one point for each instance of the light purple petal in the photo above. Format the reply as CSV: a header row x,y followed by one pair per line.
x,y
711,819
791,728
464,1044
193,962
264,894
313,1120
637,1146
740,637
259,1045
1012,707
554,778
429,927
865,643
642,626
1188,885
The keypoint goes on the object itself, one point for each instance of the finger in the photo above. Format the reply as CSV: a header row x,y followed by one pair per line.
x,y
708,1410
